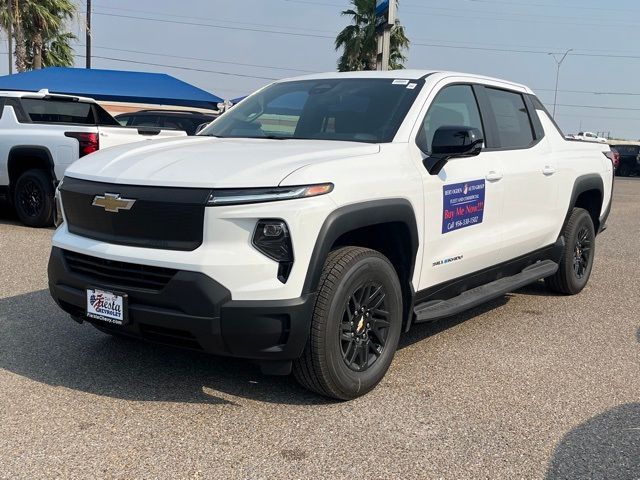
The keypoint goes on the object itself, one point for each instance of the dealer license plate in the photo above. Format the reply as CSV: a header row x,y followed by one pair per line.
x,y
107,306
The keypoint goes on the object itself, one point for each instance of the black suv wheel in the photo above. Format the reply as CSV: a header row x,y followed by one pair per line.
x,y
579,252
33,199
356,325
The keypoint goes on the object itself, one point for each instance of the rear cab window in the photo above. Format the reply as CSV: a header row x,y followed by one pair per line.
x,y
63,111
41,110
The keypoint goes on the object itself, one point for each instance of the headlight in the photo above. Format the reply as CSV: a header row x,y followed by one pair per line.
x,y
241,196
272,238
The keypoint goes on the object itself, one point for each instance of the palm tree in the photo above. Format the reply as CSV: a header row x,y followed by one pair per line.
x,y
359,40
39,31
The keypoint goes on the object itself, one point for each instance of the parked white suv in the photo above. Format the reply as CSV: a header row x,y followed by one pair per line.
x,y
41,135
312,224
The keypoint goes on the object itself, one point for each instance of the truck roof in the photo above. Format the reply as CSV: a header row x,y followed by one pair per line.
x,y
43,94
408,74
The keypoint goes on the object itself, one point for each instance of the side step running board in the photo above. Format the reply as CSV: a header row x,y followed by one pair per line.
x,y
437,309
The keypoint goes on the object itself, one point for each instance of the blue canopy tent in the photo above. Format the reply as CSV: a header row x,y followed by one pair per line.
x,y
238,100
113,85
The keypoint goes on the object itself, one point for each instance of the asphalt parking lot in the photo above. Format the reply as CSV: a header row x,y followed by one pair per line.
x,y
528,386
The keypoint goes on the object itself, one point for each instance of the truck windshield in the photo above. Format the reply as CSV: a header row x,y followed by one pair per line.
x,y
353,109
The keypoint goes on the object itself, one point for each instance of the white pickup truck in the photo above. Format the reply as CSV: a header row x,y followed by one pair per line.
x,y
41,135
589,137
313,223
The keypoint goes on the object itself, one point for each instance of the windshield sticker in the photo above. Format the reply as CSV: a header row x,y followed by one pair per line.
x,y
411,86
462,205
400,82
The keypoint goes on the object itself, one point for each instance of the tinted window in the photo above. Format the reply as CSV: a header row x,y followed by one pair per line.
x,y
454,106
57,111
512,118
175,122
627,149
144,121
353,109
123,120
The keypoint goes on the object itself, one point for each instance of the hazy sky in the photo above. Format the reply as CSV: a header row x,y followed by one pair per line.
x,y
220,36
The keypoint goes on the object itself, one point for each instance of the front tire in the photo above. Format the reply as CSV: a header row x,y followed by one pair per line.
x,y
33,199
356,325
577,259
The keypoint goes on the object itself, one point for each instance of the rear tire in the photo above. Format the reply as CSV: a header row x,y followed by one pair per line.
x,y
577,259
33,199
356,325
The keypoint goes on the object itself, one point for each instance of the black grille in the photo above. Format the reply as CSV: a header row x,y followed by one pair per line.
x,y
161,217
116,273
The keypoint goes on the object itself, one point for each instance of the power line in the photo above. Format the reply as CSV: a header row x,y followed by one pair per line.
x,y
223,27
114,59
418,43
600,107
204,59
223,20
575,6
587,92
516,18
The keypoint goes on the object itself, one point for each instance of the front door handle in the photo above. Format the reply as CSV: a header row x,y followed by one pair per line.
x,y
548,170
494,176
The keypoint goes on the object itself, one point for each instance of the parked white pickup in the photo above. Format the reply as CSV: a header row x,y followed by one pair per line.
x,y
589,137
312,224
41,135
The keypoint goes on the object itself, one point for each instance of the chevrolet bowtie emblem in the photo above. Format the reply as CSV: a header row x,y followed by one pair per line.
x,y
111,202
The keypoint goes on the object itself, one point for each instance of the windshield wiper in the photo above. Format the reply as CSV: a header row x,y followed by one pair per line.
x,y
275,137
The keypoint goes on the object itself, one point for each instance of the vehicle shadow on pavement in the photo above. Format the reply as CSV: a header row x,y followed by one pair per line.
x,y
605,447
40,342
8,215
538,289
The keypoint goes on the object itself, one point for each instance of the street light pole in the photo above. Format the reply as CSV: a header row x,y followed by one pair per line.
x,y
88,37
558,64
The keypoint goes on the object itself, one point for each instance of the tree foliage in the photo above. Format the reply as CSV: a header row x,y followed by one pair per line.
x,y
40,33
358,40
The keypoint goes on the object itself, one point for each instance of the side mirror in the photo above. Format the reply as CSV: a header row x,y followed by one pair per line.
x,y
452,142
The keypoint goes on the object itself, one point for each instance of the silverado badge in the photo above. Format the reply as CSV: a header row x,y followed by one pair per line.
x,y
111,202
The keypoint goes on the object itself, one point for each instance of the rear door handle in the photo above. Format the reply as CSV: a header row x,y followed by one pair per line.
x,y
548,170
493,176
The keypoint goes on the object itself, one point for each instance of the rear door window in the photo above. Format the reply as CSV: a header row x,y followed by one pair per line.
x,y
41,110
512,118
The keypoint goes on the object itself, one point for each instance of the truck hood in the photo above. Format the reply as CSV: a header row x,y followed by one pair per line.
x,y
207,162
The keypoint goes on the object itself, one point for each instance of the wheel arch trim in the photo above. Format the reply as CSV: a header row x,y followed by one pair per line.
x,y
32,150
582,184
353,217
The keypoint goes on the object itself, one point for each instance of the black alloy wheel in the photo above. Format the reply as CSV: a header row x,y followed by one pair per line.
x,y
33,198
365,327
582,253
30,198
355,327
576,263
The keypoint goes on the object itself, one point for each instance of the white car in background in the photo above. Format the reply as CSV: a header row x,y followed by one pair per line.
x,y
41,134
589,137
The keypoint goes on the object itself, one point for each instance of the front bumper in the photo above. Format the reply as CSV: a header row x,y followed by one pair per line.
x,y
194,311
